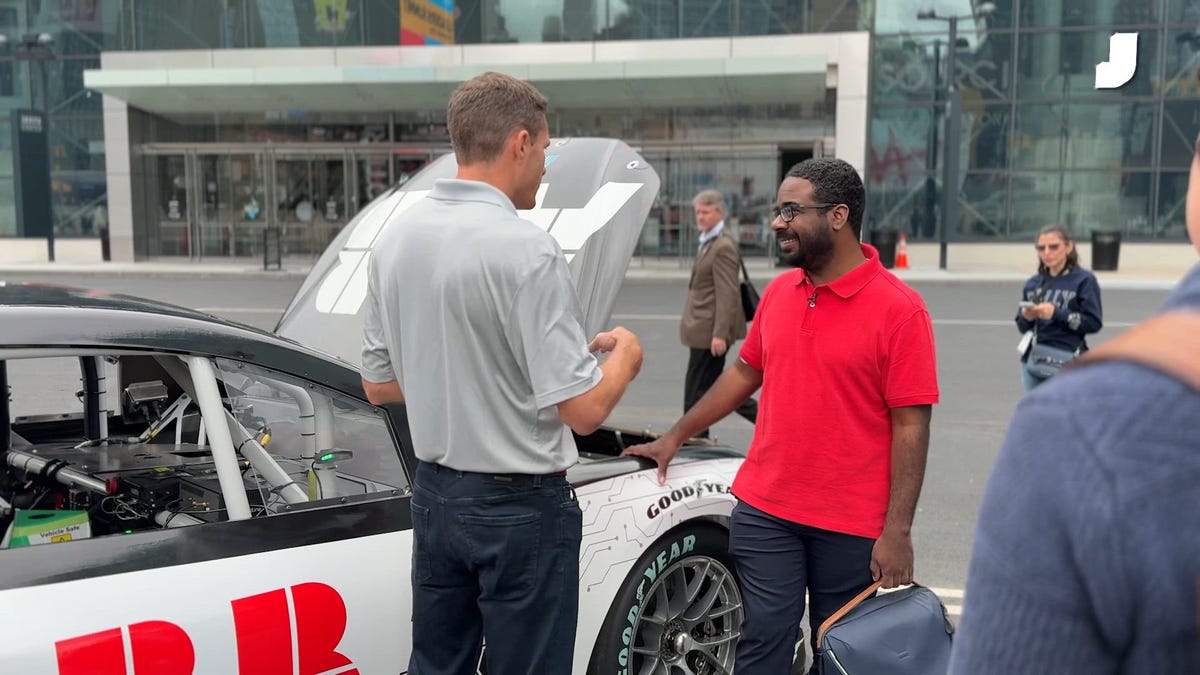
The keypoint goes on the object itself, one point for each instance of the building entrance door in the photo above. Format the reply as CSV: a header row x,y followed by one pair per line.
x,y
229,194
311,200
201,205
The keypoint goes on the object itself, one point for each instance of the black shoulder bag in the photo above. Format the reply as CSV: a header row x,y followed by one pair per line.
x,y
749,293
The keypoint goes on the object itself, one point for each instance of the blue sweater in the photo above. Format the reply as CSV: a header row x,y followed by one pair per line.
x,y
1076,298
1087,551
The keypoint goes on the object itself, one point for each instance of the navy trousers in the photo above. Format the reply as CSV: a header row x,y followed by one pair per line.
x,y
776,560
494,557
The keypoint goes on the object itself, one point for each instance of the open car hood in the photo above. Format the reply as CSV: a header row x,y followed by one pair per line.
x,y
593,199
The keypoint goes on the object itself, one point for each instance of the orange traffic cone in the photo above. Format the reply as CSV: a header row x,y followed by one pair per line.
x,y
902,254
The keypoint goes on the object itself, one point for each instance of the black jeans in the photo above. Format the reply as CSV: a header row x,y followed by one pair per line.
x,y
776,560
702,371
495,556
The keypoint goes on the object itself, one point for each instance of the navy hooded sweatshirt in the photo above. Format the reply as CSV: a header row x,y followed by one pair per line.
x,y
1075,295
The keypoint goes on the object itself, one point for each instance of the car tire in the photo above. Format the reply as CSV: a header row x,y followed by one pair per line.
x,y
642,633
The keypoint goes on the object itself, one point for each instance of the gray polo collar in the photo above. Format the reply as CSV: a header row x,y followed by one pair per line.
x,y
457,190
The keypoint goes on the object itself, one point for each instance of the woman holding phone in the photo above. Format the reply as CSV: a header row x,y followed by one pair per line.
x,y
1059,308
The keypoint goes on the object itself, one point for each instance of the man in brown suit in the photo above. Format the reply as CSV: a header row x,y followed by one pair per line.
x,y
713,318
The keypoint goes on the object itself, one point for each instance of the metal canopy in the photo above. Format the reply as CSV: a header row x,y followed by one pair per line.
x,y
404,88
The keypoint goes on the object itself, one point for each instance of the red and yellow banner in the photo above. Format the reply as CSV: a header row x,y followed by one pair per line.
x,y
426,22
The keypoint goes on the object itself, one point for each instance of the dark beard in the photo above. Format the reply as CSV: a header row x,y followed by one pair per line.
x,y
814,250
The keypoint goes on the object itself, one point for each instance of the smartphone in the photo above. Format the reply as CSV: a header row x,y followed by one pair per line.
x,y
1026,303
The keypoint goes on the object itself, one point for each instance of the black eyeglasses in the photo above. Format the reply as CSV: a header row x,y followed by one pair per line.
x,y
1043,247
791,209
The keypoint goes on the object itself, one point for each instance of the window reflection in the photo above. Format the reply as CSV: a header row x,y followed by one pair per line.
x,y
1084,135
1172,200
1083,200
1181,120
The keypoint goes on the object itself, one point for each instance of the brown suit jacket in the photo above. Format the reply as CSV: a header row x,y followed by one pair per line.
x,y
714,301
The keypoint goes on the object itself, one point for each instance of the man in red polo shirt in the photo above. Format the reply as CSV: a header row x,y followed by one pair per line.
x,y
844,353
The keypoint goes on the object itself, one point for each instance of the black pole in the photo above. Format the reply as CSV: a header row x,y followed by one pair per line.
x,y
931,197
49,158
5,418
91,397
950,147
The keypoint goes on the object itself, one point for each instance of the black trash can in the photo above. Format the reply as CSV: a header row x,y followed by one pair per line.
x,y
1106,250
272,249
884,241
105,246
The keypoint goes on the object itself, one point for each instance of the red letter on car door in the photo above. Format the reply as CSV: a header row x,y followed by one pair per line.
x,y
100,653
320,625
159,648
264,631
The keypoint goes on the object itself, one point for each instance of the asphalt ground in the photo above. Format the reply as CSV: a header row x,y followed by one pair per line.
x,y
977,370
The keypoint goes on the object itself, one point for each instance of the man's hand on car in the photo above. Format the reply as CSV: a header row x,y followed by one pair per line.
x,y
662,450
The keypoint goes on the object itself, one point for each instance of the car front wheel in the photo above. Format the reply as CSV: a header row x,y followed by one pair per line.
x,y
678,610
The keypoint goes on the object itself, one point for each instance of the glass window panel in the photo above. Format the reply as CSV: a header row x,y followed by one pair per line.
x,y
1183,12
917,209
1182,67
189,24
1181,123
381,21
908,206
1084,135
912,68
983,206
67,93
776,17
1172,198
987,129
904,68
901,17
6,155
8,208
81,26
705,18
1093,12
10,25
836,15
1063,65
1082,200
900,152
985,68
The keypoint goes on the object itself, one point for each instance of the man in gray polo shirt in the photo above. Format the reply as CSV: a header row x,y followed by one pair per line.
x,y
472,321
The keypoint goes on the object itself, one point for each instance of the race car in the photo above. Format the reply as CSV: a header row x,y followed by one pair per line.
x,y
216,499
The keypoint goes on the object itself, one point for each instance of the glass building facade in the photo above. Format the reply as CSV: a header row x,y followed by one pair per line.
x,y
1040,144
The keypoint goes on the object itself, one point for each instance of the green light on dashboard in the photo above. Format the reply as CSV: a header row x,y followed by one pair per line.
x,y
128,531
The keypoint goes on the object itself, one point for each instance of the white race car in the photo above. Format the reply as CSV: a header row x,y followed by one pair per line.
x,y
217,499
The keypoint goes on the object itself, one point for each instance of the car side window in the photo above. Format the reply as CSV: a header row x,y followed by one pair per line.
x,y
149,459
335,447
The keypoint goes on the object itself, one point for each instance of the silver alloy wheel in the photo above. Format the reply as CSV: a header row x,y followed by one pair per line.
x,y
689,622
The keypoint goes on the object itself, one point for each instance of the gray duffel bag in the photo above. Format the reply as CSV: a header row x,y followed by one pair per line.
x,y
904,632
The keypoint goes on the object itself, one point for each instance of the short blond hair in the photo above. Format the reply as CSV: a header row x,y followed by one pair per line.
x,y
486,109
710,198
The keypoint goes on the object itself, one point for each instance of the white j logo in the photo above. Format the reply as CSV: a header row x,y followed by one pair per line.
x,y
1121,64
